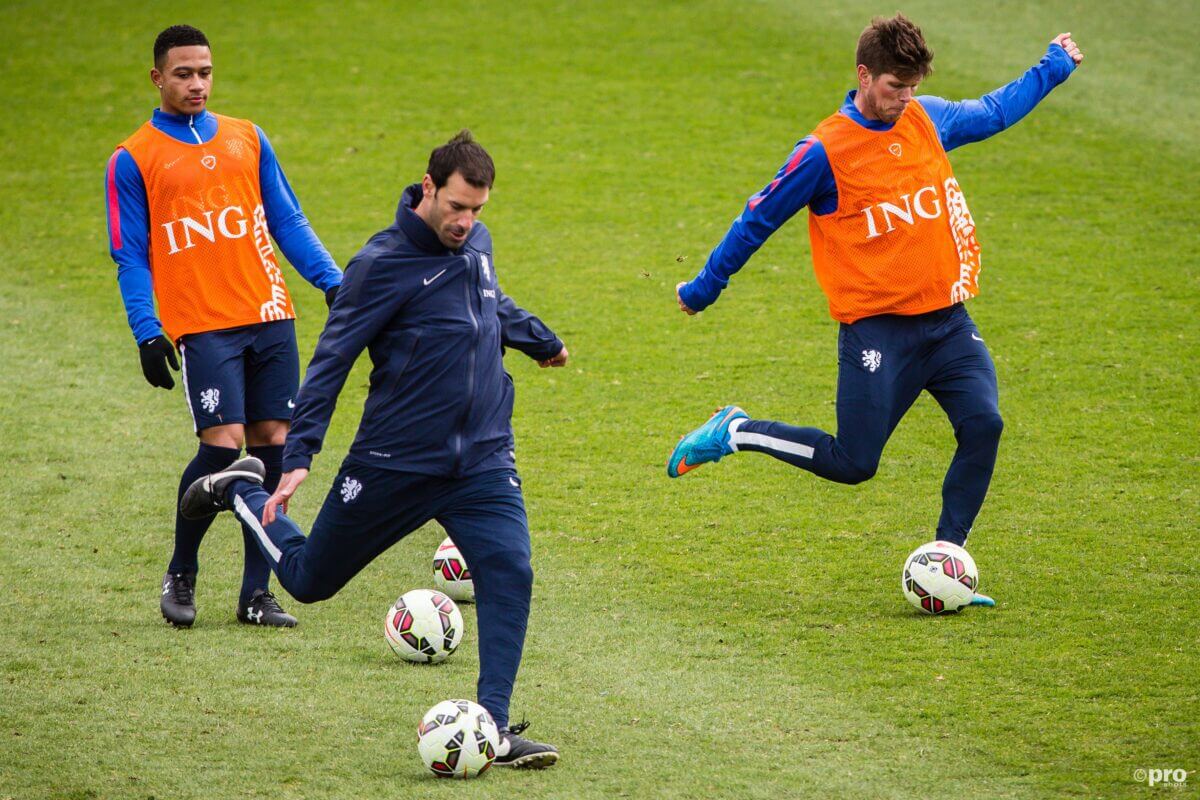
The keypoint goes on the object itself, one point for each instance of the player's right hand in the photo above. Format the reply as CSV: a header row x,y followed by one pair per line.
x,y
155,355
682,305
288,484
1065,41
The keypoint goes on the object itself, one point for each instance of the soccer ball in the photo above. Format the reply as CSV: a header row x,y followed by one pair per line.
x,y
457,739
450,573
939,578
423,626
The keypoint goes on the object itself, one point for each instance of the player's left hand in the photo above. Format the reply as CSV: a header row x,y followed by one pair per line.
x,y
559,360
288,485
330,294
1065,41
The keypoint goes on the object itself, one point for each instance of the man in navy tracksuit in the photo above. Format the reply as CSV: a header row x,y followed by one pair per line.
x,y
435,440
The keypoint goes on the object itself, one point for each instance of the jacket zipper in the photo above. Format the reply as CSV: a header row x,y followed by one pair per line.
x,y
468,287
192,125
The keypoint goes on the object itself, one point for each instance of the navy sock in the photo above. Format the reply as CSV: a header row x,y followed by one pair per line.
x,y
190,532
256,572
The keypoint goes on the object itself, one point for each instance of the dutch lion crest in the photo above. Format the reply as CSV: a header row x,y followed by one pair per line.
x,y
350,489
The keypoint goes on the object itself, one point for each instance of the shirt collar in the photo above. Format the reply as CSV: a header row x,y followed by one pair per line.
x,y
850,110
162,118
415,228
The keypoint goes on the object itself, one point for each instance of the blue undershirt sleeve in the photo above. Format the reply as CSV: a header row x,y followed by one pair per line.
x,y
968,121
804,179
128,243
289,226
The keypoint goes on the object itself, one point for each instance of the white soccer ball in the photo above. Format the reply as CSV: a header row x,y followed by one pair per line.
x,y
451,574
939,578
457,739
423,626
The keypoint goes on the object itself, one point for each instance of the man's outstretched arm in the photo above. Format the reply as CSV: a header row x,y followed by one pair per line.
x,y
968,121
523,331
803,179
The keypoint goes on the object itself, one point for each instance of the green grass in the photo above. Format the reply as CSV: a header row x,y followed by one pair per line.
x,y
738,633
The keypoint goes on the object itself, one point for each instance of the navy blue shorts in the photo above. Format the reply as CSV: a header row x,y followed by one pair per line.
x,y
241,375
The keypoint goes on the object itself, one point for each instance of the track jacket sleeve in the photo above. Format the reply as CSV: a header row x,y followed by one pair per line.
x,y
804,179
968,121
129,243
522,331
289,226
370,296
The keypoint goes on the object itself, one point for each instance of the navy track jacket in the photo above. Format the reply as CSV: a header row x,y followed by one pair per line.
x,y
435,324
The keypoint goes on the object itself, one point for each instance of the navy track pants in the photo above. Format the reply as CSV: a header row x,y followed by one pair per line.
x,y
884,363
369,509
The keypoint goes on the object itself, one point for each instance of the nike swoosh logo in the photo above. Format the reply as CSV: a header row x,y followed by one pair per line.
x,y
685,467
976,338
435,277
291,403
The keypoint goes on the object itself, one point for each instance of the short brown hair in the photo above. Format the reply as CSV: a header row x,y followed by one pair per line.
x,y
463,155
895,45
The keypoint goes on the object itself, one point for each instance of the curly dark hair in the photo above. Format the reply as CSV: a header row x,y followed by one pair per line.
x,y
177,36
896,46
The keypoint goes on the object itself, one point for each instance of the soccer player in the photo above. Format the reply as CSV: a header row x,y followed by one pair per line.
x,y
435,440
191,198
895,252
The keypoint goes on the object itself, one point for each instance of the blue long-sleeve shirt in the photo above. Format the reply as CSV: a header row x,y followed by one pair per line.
x,y
129,221
806,179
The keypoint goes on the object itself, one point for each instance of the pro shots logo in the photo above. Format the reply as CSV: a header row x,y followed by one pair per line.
x,y
1159,776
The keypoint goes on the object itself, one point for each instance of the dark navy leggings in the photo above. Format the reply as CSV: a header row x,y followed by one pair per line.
x,y
884,363
369,509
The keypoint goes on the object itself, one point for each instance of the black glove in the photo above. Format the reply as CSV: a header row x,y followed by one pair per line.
x,y
156,354
330,293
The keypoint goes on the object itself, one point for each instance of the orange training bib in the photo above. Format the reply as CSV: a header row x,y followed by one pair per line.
x,y
210,253
902,240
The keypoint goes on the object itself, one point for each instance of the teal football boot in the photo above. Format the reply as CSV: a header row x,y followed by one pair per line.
x,y
982,600
709,442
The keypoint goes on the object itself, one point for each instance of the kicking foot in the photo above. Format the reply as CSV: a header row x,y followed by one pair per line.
x,y
206,496
264,609
178,602
517,751
709,442
982,600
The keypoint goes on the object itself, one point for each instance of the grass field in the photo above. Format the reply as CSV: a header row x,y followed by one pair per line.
x,y
737,633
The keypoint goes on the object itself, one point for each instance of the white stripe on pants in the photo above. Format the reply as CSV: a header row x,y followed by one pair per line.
x,y
737,440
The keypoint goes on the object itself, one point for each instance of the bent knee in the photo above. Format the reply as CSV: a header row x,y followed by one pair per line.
x,y
860,473
985,427
311,593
